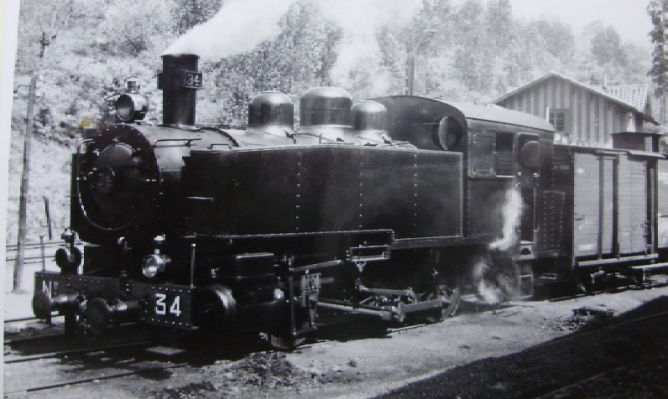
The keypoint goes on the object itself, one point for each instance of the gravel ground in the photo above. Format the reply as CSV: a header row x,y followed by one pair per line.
x,y
626,360
525,350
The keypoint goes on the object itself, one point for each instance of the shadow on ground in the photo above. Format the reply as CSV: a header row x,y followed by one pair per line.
x,y
627,357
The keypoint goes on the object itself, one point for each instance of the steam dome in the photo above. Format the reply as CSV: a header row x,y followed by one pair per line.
x,y
326,112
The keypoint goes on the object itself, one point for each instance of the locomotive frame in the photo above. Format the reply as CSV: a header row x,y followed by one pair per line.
x,y
389,208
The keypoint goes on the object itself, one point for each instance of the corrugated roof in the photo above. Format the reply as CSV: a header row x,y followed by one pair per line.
x,y
635,95
629,100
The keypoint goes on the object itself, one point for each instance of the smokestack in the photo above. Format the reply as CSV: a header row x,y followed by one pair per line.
x,y
179,82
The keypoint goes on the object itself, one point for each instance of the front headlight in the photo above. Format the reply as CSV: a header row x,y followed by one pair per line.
x,y
154,264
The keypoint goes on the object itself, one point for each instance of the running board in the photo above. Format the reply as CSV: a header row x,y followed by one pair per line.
x,y
651,267
600,262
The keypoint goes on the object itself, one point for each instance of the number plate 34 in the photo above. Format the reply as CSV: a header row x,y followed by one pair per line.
x,y
170,306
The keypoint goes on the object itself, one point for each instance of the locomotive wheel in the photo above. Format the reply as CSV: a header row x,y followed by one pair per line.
x,y
451,294
584,283
589,282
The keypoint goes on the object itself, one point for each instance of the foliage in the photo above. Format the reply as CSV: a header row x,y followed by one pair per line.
x,y
188,13
299,57
658,11
130,26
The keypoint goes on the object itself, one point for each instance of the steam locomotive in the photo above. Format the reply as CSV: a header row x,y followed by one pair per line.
x,y
390,208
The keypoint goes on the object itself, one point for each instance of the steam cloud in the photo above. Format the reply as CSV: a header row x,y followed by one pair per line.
x,y
240,25
493,286
485,282
512,213
360,20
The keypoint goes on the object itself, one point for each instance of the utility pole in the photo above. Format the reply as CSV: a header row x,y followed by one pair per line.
x,y
25,175
411,73
25,178
415,45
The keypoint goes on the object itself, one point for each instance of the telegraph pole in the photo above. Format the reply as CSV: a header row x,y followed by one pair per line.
x,y
25,175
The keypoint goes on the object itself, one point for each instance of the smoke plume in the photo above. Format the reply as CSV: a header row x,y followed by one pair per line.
x,y
239,26
361,20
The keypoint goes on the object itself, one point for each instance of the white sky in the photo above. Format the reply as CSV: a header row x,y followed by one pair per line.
x,y
629,17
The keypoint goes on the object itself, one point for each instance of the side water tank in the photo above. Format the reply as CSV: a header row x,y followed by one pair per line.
x,y
369,122
326,112
271,112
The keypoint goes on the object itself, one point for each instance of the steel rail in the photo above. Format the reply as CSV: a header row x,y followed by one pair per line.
x,y
92,379
578,335
584,381
74,352
33,339
22,319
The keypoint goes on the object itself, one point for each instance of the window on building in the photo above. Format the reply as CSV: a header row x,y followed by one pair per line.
x,y
558,119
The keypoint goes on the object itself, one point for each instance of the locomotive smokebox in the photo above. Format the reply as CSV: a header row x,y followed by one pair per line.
x,y
179,82
326,112
271,112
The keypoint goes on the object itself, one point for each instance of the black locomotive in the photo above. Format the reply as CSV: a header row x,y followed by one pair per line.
x,y
389,208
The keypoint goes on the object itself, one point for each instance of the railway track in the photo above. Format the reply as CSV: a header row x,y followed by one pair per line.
x,y
91,360
551,391
99,362
23,359
93,379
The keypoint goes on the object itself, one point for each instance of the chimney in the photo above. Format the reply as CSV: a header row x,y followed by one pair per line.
x,y
179,81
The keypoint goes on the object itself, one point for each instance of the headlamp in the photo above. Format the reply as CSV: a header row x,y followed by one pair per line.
x,y
154,264
131,107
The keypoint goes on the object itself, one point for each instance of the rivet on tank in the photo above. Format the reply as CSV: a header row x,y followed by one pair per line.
x,y
326,112
369,122
271,112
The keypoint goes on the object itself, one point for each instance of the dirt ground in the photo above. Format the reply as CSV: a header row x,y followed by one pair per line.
x,y
486,352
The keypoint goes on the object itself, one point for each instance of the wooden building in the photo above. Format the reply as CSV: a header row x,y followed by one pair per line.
x,y
582,114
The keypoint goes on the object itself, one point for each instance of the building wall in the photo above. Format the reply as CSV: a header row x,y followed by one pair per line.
x,y
590,118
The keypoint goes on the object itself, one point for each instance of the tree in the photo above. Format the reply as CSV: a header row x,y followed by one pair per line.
x,y
54,16
188,13
557,37
131,26
658,11
40,24
500,25
606,47
299,57
472,62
